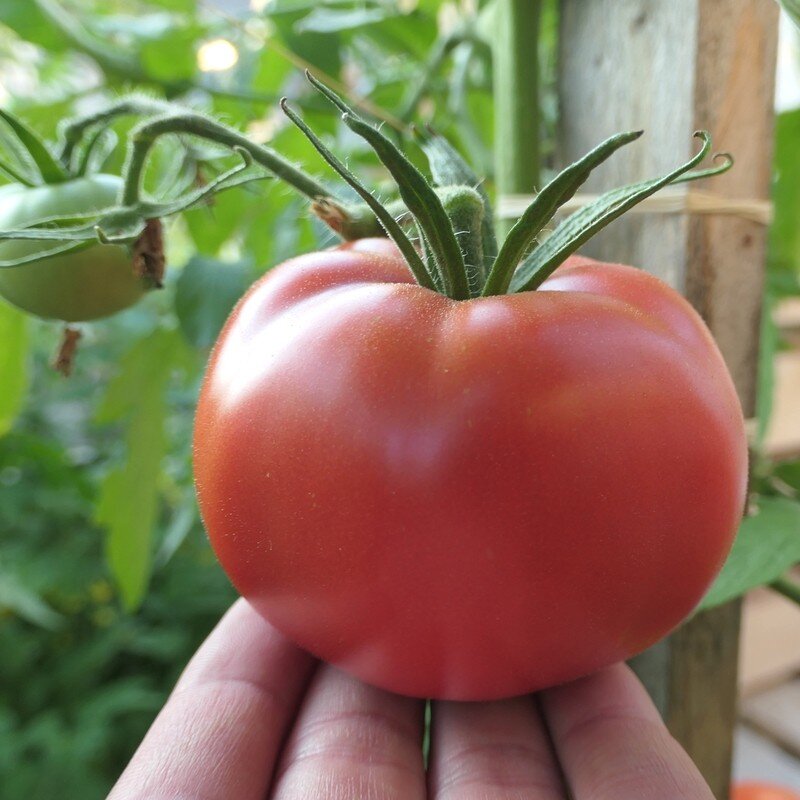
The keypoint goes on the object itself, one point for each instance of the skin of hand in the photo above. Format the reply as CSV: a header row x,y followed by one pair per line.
x,y
253,717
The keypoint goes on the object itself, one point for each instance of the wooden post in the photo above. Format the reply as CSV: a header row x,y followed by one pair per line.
x,y
672,67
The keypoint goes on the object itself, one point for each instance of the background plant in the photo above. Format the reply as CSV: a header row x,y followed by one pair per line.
x,y
104,593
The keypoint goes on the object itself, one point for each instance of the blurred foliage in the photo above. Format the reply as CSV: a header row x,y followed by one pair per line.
x,y
107,583
80,680
793,10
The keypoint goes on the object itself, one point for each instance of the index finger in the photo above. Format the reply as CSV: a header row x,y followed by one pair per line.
x,y
219,734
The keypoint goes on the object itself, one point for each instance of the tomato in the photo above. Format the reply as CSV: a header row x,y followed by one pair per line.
x,y
468,499
762,791
82,285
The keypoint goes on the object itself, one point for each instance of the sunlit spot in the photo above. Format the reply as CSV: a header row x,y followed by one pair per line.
x,y
216,55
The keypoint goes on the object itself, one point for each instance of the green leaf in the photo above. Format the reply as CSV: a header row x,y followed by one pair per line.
x,y
544,207
47,164
767,545
13,364
331,20
181,6
129,498
270,72
320,49
171,56
26,604
28,22
579,227
206,292
212,225
410,36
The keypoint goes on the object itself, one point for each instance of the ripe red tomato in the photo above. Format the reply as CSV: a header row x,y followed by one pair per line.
x,y
468,499
762,791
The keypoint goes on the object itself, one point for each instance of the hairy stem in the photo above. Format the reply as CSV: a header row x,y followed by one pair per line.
x,y
145,134
74,129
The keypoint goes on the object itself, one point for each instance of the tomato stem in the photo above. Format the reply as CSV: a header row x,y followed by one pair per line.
x,y
448,169
393,229
146,133
465,210
72,131
419,197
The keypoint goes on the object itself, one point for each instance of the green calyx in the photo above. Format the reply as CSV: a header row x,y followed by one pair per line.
x,y
450,245
443,226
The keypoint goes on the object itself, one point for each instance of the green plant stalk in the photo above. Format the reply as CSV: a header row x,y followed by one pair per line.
x,y
73,130
145,134
516,99
465,209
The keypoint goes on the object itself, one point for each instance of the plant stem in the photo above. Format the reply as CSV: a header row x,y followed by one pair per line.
x,y
787,588
516,98
73,129
145,134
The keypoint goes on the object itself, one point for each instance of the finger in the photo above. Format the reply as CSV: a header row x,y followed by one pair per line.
x,y
492,751
352,741
613,745
219,733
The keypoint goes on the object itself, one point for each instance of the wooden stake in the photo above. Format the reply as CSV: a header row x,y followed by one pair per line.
x,y
671,68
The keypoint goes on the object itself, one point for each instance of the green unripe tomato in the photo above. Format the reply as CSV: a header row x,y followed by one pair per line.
x,y
86,284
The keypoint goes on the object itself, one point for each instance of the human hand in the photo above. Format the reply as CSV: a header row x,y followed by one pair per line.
x,y
254,717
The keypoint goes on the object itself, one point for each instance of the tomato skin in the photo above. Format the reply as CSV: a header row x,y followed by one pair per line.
x,y
468,500
81,285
